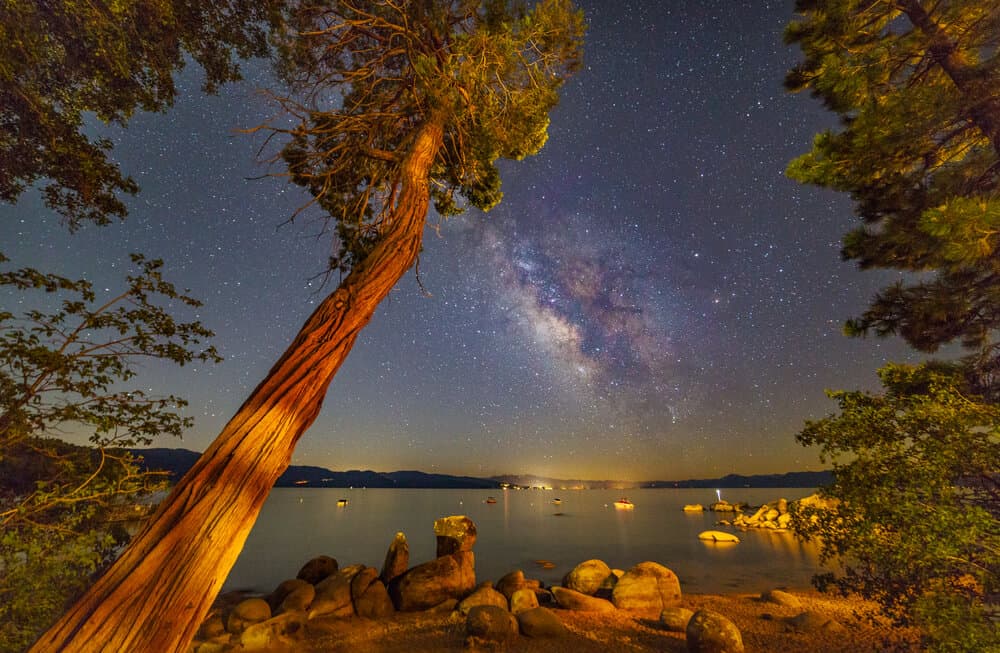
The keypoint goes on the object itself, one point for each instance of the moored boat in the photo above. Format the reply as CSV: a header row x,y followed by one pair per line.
x,y
624,504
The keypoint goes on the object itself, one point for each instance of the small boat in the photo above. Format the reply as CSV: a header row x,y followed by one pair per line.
x,y
624,504
301,482
490,500
557,501
341,502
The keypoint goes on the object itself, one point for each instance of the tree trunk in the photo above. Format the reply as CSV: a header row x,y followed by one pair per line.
x,y
976,86
155,596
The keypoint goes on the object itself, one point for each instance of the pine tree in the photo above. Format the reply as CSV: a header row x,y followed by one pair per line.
x,y
917,87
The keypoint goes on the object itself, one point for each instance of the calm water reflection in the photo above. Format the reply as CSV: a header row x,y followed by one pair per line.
x,y
520,528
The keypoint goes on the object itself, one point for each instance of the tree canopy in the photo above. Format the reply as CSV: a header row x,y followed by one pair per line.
x,y
366,76
71,369
917,87
65,62
918,503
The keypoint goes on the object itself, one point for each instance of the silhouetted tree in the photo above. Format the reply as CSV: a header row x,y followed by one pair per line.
x,y
398,102
70,369
64,60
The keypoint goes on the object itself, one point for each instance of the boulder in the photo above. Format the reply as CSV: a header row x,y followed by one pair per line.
x,y
298,600
675,619
647,587
572,600
212,627
771,515
429,584
361,581
264,635
718,536
523,599
397,558
514,581
283,589
587,577
810,621
710,632
333,596
490,623
214,645
540,623
374,602
455,533
246,613
317,569
722,506
484,595
782,506
694,507
781,598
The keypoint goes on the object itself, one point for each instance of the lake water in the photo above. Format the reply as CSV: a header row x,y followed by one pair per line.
x,y
522,527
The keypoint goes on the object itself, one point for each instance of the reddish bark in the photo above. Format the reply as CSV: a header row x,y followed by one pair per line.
x,y
155,596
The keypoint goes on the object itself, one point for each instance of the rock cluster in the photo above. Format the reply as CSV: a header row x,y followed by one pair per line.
x,y
725,506
494,613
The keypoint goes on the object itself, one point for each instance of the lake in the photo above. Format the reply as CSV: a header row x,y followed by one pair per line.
x,y
522,527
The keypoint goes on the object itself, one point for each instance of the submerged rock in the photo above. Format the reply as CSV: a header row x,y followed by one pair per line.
x,y
718,536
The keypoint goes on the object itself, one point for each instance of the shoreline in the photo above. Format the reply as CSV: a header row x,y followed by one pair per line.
x,y
763,626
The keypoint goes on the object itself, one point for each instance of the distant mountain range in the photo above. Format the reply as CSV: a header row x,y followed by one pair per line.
x,y
179,461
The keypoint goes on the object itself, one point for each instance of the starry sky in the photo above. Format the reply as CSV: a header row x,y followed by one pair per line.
x,y
652,300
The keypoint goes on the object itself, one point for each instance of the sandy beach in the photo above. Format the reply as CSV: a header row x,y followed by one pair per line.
x,y
763,627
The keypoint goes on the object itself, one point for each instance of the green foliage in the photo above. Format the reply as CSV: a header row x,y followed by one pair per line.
x,y
66,60
64,508
368,74
915,85
917,502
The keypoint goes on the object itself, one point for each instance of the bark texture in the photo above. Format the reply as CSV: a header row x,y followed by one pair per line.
x,y
154,597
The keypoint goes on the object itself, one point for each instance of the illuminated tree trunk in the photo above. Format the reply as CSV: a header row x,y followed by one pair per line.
x,y
155,596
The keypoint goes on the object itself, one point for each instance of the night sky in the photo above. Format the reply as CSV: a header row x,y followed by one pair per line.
x,y
653,299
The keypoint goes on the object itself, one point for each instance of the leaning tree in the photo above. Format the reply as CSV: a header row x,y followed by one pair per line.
x,y
395,103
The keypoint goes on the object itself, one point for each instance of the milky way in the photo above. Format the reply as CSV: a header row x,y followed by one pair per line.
x,y
652,299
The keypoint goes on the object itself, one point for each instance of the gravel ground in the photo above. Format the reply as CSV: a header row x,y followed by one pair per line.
x,y
763,626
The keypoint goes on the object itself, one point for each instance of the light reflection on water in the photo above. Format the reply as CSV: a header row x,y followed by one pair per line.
x,y
523,527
